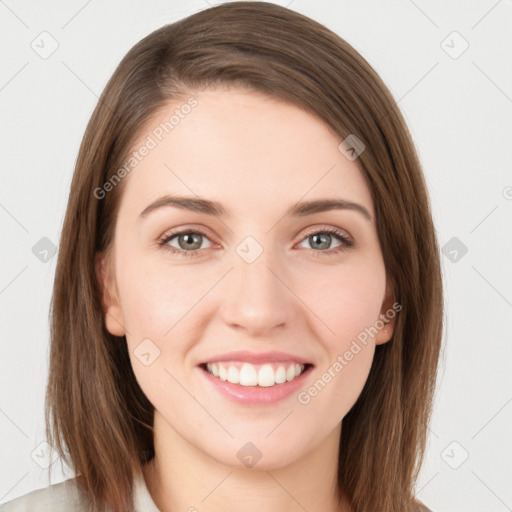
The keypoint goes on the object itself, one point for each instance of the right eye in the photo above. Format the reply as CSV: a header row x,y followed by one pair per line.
x,y
189,242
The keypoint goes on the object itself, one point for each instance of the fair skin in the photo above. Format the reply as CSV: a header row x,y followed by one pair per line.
x,y
257,156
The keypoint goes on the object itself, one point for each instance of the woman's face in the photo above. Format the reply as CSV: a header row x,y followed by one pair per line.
x,y
254,278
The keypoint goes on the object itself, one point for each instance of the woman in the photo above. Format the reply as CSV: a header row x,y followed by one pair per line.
x,y
247,308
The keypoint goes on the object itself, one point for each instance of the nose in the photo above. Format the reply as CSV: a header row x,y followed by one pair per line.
x,y
257,297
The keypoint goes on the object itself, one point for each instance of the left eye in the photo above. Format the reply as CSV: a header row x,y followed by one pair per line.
x,y
323,239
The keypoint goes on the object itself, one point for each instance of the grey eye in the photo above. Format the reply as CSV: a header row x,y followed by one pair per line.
x,y
188,241
321,241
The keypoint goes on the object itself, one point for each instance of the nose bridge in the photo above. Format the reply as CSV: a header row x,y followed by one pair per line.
x,y
256,298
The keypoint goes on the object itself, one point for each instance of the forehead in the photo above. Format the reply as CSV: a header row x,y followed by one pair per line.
x,y
241,148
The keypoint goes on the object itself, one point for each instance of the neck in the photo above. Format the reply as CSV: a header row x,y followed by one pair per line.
x,y
182,477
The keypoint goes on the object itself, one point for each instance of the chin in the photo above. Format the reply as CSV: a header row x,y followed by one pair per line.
x,y
256,453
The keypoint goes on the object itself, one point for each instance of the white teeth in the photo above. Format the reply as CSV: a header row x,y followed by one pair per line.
x,y
249,375
280,375
233,375
266,377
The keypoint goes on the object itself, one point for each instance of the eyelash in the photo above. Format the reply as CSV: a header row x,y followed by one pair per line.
x,y
347,242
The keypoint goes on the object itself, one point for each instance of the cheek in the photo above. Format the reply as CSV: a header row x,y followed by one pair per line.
x,y
155,297
346,307
337,386
345,301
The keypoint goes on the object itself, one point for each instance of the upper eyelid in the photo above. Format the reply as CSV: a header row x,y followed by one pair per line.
x,y
181,231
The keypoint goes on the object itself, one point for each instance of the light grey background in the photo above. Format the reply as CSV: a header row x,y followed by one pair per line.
x,y
458,108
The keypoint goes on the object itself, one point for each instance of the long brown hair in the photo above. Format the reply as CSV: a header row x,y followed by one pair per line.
x,y
96,415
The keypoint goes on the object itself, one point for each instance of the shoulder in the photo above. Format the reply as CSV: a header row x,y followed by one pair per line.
x,y
62,497
421,507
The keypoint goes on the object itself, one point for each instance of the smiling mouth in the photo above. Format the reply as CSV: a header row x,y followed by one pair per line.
x,y
255,375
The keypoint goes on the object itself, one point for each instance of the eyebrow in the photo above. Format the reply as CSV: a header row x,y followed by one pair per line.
x,y
209,207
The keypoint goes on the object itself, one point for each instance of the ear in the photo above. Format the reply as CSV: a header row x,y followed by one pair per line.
x,y
113,314
387,317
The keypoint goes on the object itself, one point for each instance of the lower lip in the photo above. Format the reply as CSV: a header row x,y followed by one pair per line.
x,y
256,395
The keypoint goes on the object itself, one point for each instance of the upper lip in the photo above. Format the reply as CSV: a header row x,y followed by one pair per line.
x,y
256,358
